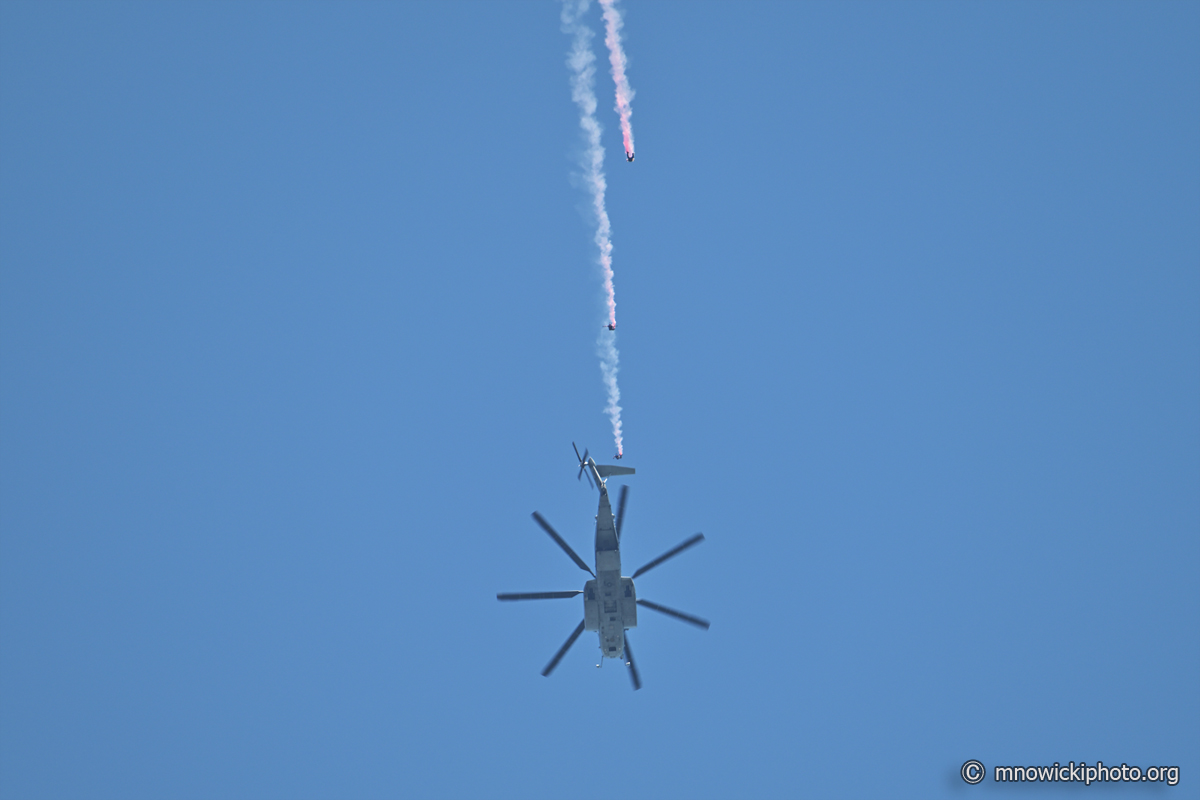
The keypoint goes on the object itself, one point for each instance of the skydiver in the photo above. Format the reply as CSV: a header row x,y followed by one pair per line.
x,y
612,326
629,156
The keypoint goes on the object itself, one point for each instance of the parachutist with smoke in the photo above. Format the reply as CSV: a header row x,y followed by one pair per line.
x,y
616,57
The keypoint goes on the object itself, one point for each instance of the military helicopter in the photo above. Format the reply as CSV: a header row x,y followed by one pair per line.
x,y
610,601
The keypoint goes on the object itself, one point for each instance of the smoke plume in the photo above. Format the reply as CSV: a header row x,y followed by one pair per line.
x,y
583,73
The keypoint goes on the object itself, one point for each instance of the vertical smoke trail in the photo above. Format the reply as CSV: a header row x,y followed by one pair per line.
x,y
616,56
583,71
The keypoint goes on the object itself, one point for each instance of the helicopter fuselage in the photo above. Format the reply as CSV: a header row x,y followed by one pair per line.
x,y
609,600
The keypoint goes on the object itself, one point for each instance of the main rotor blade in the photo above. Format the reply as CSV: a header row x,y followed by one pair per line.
x,y
540,520
633,673
697,539
688,618
537,595
562,651
621,509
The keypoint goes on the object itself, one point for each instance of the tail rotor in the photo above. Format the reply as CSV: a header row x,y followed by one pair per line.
x,y
583,464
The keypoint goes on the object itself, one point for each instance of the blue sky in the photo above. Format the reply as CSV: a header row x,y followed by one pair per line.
x,y
298,310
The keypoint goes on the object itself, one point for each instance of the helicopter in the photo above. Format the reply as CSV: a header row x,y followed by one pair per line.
x,y
610,602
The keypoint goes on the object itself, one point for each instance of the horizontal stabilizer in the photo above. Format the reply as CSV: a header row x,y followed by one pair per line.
x,y
605,470
538,595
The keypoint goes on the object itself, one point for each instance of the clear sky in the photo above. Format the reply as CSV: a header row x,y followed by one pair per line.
x,y
298,319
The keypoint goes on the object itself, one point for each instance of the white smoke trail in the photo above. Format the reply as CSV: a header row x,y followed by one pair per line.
x,y
616,57
583,73
606,346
